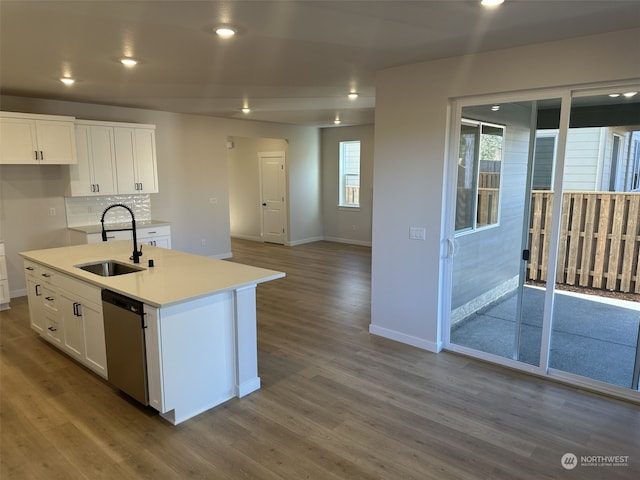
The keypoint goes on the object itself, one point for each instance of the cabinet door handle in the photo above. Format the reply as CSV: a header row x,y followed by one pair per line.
x,y
49,299
98,187
41,155
52,329
38,291
45,275
141,187
31,269
151,233
36,153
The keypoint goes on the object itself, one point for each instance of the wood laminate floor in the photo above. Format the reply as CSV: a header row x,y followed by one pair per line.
x,y
336,402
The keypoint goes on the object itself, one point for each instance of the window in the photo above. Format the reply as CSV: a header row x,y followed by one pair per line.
x,y
349,174
479,174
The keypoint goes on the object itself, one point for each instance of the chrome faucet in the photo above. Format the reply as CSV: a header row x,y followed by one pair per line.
x,y
136,253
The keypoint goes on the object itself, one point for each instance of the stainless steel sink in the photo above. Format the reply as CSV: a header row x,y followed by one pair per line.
x,y
109,268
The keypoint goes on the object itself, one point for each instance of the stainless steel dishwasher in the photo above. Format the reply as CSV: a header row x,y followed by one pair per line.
x,y
124,338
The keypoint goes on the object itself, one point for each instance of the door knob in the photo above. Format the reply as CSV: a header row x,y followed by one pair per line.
x,y
264,204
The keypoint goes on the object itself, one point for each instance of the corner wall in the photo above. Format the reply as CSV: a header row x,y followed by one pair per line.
x,y
412,122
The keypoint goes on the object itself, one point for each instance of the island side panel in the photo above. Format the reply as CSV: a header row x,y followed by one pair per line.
x,y
197,345
247,379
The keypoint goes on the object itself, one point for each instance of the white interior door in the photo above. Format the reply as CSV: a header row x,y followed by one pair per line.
x,y
272,188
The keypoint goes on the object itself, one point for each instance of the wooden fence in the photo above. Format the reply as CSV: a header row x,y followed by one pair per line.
x,y
599,239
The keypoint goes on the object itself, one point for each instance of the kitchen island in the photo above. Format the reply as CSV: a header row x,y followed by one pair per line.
x,y
199,319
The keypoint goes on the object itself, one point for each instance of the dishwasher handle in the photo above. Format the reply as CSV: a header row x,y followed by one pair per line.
x,y
118,300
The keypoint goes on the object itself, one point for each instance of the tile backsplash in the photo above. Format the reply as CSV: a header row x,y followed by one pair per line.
x,y
83,211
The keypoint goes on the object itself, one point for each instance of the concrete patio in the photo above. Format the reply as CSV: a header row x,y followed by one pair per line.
x,y
592,336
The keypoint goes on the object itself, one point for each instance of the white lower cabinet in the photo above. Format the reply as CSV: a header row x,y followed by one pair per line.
x,y
157,236
36,312
72,325
67,313
4,281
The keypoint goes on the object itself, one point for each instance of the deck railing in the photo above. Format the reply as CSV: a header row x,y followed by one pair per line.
x,y
599,239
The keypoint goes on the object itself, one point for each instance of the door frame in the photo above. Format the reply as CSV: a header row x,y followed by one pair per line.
x,y
449,238
282,188
448,241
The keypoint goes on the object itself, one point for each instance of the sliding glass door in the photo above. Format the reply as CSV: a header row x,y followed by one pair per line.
x,y
544,236
596,312
491,310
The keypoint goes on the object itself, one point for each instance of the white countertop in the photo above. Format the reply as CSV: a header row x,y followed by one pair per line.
x,y
97,228
176,277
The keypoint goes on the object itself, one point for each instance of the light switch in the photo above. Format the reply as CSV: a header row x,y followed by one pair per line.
x,y
417,233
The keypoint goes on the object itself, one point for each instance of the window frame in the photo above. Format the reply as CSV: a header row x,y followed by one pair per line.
x,y
476,176
342,184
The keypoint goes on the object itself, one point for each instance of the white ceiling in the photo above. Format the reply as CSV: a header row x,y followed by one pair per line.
x,y
292,61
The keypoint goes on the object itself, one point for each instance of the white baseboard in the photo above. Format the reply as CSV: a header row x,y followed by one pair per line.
x,y
253,238
349,241
303,241
404,338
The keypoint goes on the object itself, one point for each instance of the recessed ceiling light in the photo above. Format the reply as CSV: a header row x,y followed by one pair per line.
x,y
353,96
225,31
630,94
614,95
337,121
129,62
495,108
67,81
246,110
491,3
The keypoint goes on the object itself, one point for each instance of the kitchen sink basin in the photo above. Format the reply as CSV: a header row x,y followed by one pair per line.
x,y
109,268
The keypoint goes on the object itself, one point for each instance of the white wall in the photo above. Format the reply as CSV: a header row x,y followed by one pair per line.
x,y
192,168
244,184
412,119
341,224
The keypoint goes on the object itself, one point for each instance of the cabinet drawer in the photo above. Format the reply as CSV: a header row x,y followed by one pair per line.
x,y
52,330
160,230
31,269
81,289
97,237
49,298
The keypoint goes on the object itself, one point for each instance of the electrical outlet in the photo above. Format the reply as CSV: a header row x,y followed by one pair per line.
x,y
52,212
213,200
204,242
417,233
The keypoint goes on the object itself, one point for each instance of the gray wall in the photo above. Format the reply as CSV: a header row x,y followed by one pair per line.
x,y
342,224
192,168
410,278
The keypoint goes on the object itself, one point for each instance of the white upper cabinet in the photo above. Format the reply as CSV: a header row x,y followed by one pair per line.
x,y
114,158
95,172
136,159
36,139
